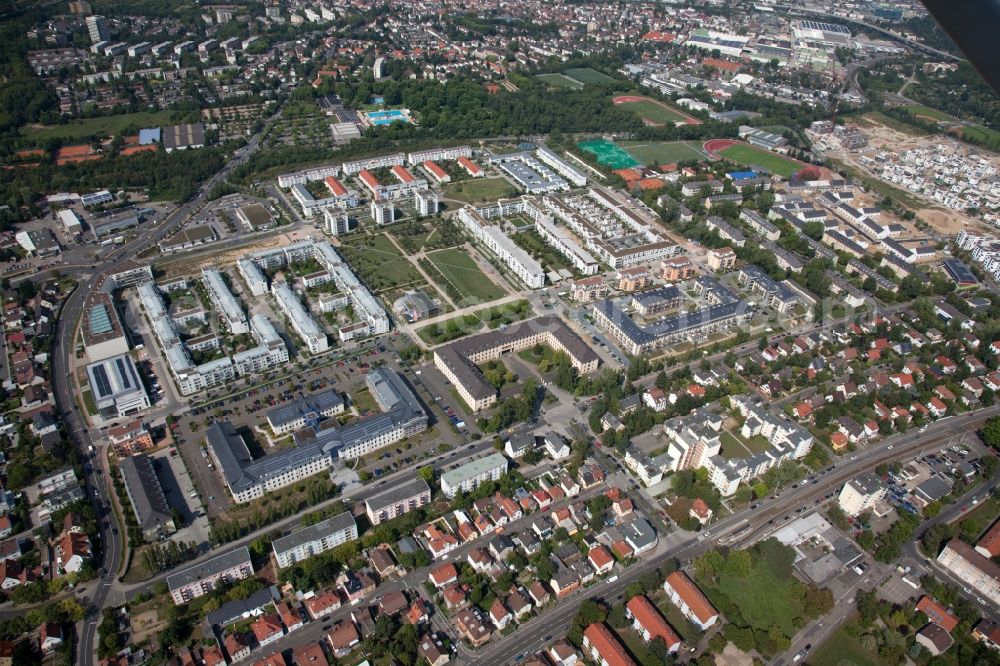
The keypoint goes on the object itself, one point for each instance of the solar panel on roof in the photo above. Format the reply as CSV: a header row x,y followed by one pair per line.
x,y
100,322
103,385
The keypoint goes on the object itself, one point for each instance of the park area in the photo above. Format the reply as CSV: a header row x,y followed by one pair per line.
x,y
380,263
747,155
479,189
461,271
654,112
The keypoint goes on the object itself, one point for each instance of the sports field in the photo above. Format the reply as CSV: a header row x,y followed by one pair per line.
x,y
747,155
559,81
460,269
652,111
586,75
102,126
664,152
609,154
919,110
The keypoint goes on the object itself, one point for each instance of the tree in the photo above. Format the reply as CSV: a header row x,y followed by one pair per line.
x,y
426,473
617,617
991,432
739,563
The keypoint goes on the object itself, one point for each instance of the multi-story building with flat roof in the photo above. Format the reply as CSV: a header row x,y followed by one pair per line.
x,y
459,361
970,567
204,577
861,493
397,500
467,477
314,539
115,385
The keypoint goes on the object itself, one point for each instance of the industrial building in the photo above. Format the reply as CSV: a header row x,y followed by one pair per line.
x,y
116,387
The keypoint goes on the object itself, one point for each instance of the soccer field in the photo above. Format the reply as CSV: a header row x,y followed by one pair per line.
x,y
588,75
559,81
461,270
758,157
609,154
653,111
664,152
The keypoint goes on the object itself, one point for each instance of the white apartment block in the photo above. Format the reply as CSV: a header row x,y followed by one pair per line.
x,y
861,494
314,539
518,261
426,202
397,501
436,154
302,322
227,305
468,476
383,212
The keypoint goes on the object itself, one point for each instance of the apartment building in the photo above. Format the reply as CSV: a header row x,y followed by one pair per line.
x,y
604,648
692,603
467,477
969,566
397,501
202,578
860,494
314,539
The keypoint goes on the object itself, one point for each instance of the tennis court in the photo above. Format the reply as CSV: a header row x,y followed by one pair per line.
x,y
609,154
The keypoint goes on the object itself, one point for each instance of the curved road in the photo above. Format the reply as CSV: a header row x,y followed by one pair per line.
x,y
64,342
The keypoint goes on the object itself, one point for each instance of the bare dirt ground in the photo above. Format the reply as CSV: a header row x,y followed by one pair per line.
x,y
733,656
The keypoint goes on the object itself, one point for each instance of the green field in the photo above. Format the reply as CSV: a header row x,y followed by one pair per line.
x,y
609,154
586,75
559,81
664,152
758,157
654,112
380,263
463,273
920,110
103,127
842,649
763,599
479,189
977,133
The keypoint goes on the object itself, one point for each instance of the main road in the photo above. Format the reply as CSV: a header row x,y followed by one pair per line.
x,y
112,539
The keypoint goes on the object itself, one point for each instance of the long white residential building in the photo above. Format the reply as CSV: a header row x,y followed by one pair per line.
x,y
379,162
314,539
270,351
435,154
467,477
365,305
562,168
229,308
519,262
303,322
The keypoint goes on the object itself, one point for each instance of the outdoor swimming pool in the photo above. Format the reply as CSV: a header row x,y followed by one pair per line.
x,y
387,117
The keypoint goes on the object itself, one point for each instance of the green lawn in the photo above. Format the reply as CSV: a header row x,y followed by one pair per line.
x,y
103,127
763,599
921,110
559,81
587,75
842,649
457,327
735,446
758,157
463,273
977,133
380,263
655,112
479,189
664,152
